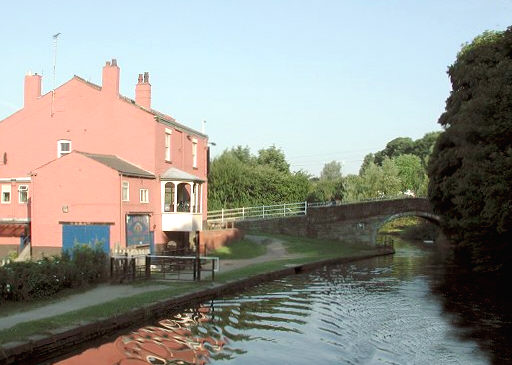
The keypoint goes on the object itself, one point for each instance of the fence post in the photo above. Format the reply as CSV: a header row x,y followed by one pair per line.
x,y
263,211
132,264
305,208
222,215
111,267
243,213
284,210
148,266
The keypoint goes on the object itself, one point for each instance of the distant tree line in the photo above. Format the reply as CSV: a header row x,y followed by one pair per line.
x,y
239,178
397,169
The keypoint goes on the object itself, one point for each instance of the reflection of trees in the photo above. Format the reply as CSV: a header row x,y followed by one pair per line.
x,y
481,304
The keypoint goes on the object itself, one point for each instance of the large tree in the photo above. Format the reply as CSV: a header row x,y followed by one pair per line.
x,y
470,169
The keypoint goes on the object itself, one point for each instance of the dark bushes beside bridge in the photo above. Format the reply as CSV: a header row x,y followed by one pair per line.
x,y
25,281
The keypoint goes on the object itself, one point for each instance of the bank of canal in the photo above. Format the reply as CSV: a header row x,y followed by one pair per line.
x,y
377,311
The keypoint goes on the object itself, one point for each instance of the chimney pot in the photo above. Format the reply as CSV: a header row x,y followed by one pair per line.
x,y
110,83
143,91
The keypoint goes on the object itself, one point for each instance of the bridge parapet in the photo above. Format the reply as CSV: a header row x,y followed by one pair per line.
x,y
357,222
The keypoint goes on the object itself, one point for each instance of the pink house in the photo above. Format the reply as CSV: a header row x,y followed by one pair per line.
x,y
85,164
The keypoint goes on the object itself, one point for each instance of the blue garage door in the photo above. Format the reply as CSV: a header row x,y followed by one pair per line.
x,y
85,234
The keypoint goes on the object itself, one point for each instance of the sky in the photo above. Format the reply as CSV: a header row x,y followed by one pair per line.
x,y
322,80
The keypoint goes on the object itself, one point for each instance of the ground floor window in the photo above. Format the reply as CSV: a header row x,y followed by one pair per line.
x,y
6,194
23,194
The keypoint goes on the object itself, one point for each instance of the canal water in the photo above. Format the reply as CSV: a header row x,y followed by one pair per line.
x,y
377,311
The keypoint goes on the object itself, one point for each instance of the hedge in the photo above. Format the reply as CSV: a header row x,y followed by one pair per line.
x,y
25,281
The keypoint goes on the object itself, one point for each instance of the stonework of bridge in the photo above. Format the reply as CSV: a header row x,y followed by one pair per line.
x,y
357,222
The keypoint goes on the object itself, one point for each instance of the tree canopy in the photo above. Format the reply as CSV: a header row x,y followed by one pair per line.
x,y
470,168
421,147
237,178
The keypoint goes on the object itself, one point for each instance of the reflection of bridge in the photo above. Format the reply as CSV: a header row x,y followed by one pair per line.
x,y
353,222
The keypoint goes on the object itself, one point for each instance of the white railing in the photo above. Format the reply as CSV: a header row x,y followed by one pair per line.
x,y
283,210
260,212
354,201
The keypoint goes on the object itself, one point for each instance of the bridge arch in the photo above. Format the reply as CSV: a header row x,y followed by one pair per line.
x,y
431,217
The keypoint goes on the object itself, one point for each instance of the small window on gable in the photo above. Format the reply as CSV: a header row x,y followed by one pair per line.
x,y
194,153
63,147
6,194
23,194
125,194
168,136
144,196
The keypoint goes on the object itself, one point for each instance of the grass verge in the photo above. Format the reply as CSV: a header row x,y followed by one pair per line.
x,y
242,249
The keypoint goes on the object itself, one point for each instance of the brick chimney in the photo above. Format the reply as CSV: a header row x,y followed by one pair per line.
x,y
32,88
143,91
110,82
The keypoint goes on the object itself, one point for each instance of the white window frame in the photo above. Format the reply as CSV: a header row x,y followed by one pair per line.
x,y
144,195
168,144
194,153
6,189
60,151
23,191
125,187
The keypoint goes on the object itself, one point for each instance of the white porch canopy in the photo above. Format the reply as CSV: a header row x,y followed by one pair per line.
x,y
181,192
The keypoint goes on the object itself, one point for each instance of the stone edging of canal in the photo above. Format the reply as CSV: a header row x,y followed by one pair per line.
x,y
62,340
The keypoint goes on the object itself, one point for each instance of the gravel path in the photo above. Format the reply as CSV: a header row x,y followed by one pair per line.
x,y
106,292
275,251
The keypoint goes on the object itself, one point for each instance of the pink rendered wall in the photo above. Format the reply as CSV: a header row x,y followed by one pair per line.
x,y
97,121
90,190
15,209
93,121
135,206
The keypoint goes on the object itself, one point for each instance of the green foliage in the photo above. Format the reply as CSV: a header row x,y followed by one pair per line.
x,y
242,249
421,148
330,186
470,169
23,281
274,158
410,172
331,171
239,179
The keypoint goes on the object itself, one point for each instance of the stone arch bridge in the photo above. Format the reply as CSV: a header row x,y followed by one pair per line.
x,y
357,222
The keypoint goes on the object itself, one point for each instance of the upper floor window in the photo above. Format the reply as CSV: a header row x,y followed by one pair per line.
x,y
63,147
125,192
194,153
144,196
6,194
23,194
168,134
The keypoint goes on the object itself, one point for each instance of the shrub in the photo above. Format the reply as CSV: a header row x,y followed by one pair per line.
x,y
23,281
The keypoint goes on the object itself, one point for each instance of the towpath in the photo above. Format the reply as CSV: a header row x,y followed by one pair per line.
x,y
106,292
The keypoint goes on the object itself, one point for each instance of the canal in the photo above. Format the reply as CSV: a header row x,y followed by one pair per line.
x,y
377,311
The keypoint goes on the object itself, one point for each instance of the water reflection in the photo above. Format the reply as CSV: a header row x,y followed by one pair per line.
x,y
375,311
480,305
172,341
